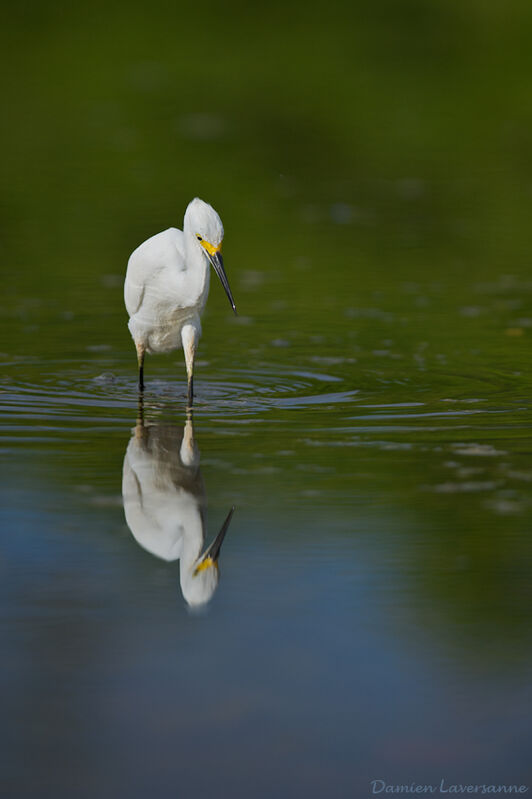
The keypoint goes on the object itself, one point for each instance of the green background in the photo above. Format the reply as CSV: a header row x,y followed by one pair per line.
x,y
368,411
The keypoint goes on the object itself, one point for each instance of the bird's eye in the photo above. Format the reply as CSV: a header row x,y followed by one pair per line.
x,y
198,237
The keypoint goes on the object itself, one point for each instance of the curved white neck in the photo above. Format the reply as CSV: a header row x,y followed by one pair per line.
x,y
197,263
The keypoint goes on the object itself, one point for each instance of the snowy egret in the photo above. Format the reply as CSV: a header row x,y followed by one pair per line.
x,y
164,505
167,284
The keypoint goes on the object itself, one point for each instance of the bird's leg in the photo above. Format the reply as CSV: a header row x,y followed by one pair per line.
x,y
189,452
141,351
188,337
139,427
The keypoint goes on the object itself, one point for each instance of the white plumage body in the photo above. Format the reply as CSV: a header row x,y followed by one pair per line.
x,y
167,285
163,495
164,504
164,291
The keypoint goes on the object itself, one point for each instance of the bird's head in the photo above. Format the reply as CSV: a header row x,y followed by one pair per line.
x,y
205,227
204,222
199,583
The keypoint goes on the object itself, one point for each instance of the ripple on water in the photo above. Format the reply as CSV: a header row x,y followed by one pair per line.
x,y
67,397
70,398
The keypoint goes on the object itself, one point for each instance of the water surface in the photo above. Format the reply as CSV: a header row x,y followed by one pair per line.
x,y
368,414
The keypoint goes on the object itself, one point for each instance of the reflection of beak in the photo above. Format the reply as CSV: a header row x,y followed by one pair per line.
x,y
218,263
212,553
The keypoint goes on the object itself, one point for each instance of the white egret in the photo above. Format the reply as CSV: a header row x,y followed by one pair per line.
x,y
164,505
167,284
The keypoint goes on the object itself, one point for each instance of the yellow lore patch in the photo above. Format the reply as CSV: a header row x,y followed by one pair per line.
x,y
210,248
205,564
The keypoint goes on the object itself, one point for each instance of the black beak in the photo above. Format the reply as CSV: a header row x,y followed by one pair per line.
x,y
218,263
213,551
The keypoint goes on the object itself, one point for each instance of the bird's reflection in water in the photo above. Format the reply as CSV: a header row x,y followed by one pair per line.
x,y
164,504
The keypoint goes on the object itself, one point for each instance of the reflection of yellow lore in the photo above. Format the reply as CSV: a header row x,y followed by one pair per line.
x,y
164,505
